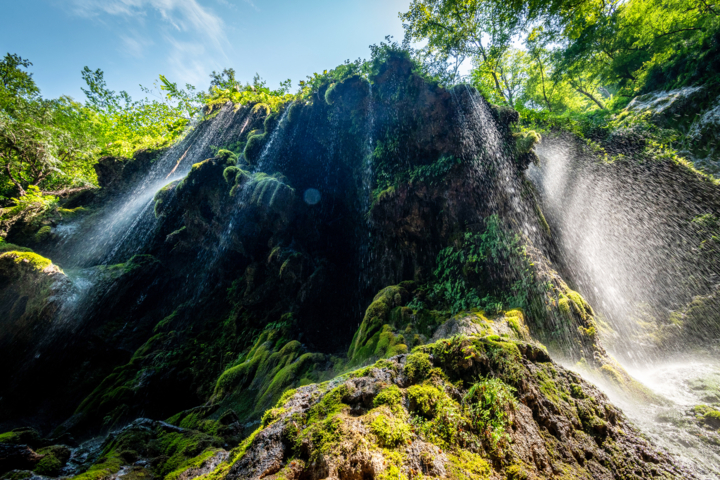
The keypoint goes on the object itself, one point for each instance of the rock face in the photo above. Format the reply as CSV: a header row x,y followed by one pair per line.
x,y
469,407
286,247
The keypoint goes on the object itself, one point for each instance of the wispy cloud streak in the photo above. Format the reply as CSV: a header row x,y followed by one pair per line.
x,y
193,33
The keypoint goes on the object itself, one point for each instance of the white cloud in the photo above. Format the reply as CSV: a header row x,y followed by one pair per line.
x,y
194,34
184,15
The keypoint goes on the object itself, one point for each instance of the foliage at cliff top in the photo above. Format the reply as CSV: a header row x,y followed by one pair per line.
x,y
226,88
42,142
576,56
54,144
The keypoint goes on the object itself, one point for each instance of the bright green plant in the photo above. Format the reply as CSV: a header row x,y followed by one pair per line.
x,y
490,404
467,274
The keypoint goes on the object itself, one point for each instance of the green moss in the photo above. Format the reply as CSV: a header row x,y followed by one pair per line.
x,y
331,95
330,405
32,260
390,396
709,415
287,395
525,141
230,174
70,213
43,234
226,156
516,472
271,121
390,431
10,247
163,197
195,462
271,416
102,470
54,459
464,465
254,148
181,449
417,366
424,399
376,337
448,425
20,436
294,112
547,385
322,425
516,321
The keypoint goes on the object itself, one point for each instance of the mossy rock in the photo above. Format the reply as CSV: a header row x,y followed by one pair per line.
x,y
294,112
230,174
172,449
269,368
271,122
375,338
399,425
54,459
708,415
254,147
21,436
525,141
164,197
43,234
22,261
72,213
227,157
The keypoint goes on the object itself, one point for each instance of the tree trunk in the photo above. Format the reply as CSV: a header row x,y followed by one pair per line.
x,y
12,179
591,97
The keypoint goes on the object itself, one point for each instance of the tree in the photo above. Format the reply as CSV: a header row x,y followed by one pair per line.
x,y
458,29
39,139
125,125
224,80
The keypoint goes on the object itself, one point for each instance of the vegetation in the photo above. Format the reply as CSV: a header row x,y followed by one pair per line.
x,y
577,65
576,56
465,276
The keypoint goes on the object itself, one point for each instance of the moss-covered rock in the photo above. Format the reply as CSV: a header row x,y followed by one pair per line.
x,y
155,449
254,147
479,416
272,366
29,296
55,457
163,198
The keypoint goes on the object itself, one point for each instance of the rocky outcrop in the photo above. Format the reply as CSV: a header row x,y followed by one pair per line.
x,y
470,407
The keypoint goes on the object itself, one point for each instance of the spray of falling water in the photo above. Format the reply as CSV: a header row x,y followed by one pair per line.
x,y
620,233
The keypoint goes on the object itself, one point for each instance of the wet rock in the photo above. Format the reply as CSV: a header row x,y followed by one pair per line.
x,y
17,457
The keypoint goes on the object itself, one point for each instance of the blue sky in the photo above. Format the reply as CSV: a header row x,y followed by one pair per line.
x,y
134,41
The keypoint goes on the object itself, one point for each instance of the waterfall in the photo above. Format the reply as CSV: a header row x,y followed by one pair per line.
x,y
128,222
624,238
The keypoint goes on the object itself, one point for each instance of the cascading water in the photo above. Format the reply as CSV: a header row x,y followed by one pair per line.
x,y
624,237
125,228
282,250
